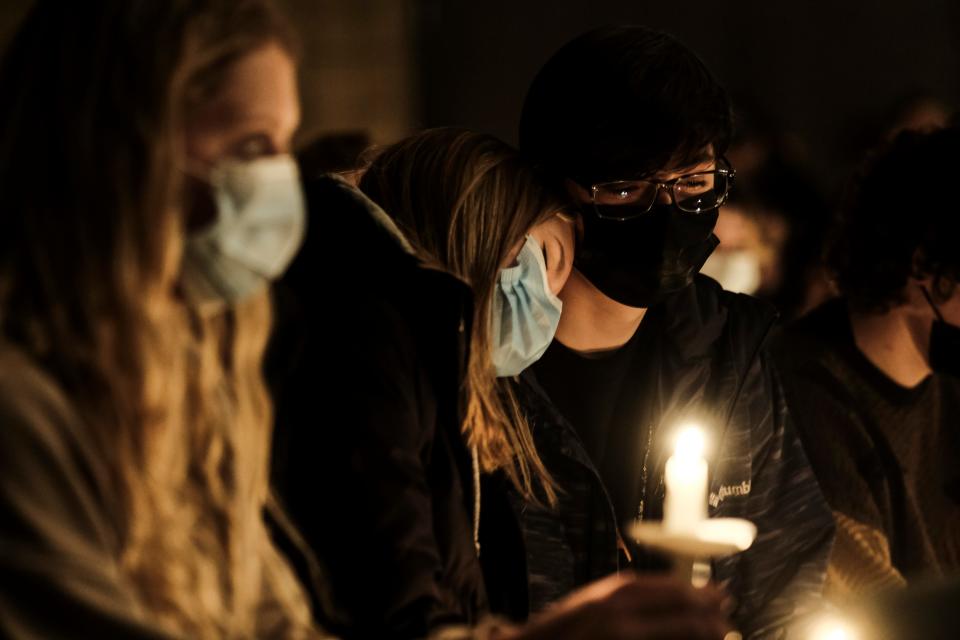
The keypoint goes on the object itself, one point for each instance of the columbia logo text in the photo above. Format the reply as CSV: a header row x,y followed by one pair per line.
x,y
727,490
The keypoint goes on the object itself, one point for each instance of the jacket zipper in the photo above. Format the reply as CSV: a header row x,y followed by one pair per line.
x,y
643,475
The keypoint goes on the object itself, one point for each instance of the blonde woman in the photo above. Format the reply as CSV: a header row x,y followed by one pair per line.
x,y
145,200
421,299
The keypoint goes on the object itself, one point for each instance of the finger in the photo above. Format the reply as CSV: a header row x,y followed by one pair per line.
x,y
680,627
667,594
597,590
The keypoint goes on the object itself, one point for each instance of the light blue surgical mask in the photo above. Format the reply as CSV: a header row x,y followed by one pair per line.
x,y
525,312
260,224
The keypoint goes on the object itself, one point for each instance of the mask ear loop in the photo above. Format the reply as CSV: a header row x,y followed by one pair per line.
x,y
574,216
926,294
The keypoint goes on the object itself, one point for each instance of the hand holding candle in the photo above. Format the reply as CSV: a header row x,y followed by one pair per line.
x,y
686,484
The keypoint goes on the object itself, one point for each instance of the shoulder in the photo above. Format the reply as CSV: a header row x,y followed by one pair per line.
x,y
816,349
704,317
351,245
370,257
710,294
821,380
825,326
51,473
59,529
44,442
746,317
333,202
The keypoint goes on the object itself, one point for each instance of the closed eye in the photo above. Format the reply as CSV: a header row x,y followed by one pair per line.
x,y
252,147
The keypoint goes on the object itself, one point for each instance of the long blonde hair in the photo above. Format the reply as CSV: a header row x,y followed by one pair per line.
x,y
465,200
93,106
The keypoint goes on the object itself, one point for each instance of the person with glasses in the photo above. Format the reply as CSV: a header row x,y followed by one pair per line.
x,y
631,124
461,252
878,372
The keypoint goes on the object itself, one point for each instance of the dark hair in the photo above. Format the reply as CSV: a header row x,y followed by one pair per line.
x,y
896,221
622,102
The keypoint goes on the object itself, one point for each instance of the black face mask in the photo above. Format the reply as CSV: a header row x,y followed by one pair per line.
x,y
637,262
944,343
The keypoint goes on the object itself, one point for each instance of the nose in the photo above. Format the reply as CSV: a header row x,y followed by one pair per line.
x,y
663,194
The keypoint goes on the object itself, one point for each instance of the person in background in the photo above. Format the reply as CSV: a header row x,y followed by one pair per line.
x,y
773,227
874,374
771,235
913,109
645,345
146,198
415,312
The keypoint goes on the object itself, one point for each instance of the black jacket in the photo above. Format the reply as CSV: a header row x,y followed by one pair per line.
x,y
710,365
369,461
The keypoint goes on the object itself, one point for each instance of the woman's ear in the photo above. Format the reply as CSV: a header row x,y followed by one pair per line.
x,y
557,237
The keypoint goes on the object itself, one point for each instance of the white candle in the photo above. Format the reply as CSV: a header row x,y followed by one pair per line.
x,y
685,506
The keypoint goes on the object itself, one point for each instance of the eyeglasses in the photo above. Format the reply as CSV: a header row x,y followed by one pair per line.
x,y
694,193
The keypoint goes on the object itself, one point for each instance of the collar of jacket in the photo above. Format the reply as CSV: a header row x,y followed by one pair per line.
x,y
354,248
378,216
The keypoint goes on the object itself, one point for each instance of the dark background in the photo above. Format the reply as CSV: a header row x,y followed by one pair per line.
x,y
824,72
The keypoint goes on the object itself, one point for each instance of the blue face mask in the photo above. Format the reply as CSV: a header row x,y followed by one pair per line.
x,y
525,312
261,216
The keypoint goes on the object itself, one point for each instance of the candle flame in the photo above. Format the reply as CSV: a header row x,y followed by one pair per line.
x,y
690,443
832,628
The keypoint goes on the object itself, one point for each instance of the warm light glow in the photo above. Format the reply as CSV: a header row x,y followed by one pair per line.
x,y
690,443
832,628
685,478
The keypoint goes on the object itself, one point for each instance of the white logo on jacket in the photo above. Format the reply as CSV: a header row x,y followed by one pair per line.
x,y
728,490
